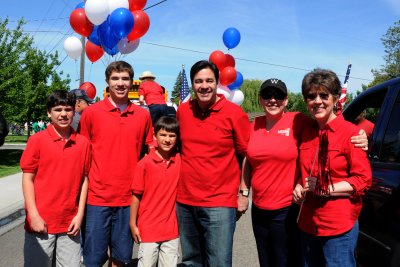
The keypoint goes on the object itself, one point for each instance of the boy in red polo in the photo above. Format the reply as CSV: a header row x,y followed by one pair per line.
x,y
55,165
153,219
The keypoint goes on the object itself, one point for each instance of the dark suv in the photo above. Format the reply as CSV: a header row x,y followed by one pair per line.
x,y
379,239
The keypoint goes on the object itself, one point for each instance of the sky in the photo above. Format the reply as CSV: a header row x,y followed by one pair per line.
x,y
279,39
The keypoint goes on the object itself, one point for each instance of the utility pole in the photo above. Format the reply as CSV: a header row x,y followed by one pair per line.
x,y
82,66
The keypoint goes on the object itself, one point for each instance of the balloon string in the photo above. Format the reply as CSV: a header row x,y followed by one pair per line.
x,y
77,78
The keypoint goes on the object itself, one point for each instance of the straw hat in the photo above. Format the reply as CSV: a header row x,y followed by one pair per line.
x,y
147,74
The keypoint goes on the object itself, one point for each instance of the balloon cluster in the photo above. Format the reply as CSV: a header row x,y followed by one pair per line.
x,y
229,78
111,26
89,88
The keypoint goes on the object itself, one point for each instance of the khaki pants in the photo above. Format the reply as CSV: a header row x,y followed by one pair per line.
x,y
164,253
39,250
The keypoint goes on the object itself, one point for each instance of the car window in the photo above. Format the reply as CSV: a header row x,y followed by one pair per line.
x,y
390,151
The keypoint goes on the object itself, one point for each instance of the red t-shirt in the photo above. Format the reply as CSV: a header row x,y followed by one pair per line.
x,y
327,216
117,141
273,158
157,180
59,166
152,92
211,141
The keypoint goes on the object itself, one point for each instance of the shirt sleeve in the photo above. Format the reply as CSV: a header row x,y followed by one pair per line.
x,y
241,133
141,90
88,159
360,174
30,157
149,130
138,179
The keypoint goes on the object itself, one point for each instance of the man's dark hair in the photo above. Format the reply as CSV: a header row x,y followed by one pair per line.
x,y
119,66
60,97
204,64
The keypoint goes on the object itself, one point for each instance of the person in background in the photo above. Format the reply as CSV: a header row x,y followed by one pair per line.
x,y
152,94
364,124
119,132
55,165
82,102
214,134
334,177
271,169
3,129
153,219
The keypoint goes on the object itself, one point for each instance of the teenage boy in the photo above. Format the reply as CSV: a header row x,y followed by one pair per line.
x,y
118,131
55,165
153,219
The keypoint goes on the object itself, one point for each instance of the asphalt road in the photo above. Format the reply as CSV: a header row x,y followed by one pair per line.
x,y
244,249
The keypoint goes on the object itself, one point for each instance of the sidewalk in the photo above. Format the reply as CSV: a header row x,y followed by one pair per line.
x,y
11,202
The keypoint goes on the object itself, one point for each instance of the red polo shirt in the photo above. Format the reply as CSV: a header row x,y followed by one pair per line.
x,y
59,166
117,139
152,92
157,180
327,216
211,141
273,158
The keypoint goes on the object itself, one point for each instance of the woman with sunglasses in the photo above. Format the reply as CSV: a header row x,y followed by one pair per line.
x,y
271,170
340,176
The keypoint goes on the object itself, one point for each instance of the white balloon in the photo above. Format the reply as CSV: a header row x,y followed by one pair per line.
x,y
237,97
114,4
73,47
125,46
96,11
224,90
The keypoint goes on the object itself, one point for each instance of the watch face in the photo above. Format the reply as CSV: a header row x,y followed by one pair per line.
x,y
244,192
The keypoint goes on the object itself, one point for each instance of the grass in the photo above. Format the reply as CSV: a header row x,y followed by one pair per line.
x,y
16,139
9,161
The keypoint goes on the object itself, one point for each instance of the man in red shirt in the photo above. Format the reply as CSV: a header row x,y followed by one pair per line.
x,y
214,134
118,131
152,94
55,166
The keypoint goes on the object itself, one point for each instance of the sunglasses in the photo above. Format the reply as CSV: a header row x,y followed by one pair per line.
x,y
313,96
268,95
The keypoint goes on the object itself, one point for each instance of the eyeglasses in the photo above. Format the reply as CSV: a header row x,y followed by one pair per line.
x,y
268,95
313,96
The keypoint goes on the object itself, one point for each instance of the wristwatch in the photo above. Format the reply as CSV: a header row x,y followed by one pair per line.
x,y
244,192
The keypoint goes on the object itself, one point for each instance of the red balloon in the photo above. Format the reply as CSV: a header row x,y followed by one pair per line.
x,y
230,61
218,58
80,23
140,26
227,76
93,52
136,4
89,88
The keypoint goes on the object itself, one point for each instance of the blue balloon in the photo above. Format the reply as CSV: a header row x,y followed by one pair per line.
x,y
111,52
238,82
231,37
80,5
121,22
94,36
107,39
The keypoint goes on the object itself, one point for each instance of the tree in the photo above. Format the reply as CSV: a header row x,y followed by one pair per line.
x,y
27,76
391,69
175,94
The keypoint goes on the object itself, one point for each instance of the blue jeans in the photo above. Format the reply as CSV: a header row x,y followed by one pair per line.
x,y
157,111
206,235
107,227
330,251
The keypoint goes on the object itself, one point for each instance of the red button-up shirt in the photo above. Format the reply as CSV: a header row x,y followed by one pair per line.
x,y
327,216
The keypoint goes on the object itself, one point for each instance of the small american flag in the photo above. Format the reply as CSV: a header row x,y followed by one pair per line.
x,y
342,98
184,94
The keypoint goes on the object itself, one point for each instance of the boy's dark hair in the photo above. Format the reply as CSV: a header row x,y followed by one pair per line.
x,y
60,97
119,66
204,64
167,123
